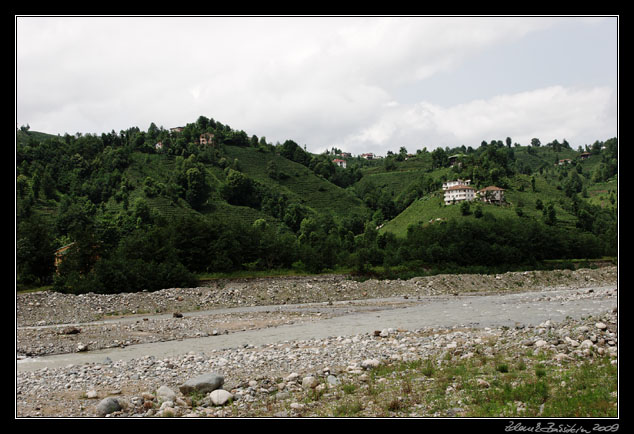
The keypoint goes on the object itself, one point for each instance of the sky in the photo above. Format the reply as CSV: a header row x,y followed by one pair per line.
x,y
360,84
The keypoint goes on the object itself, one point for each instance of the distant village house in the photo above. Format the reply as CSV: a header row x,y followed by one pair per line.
x,y
458,191
491,194
206,139
340,163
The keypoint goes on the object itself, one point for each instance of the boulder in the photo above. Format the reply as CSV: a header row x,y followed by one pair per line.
x,y
204,383
107,406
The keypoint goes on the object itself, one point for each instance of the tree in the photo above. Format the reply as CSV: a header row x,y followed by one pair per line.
x,y
197,187
34,251
535,142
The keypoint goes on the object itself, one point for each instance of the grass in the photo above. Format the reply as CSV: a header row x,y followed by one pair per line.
x,y
504,385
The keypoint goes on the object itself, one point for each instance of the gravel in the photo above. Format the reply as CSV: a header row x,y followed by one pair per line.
x,y
257,375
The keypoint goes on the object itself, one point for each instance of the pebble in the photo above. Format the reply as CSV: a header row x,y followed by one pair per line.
x,y
258,373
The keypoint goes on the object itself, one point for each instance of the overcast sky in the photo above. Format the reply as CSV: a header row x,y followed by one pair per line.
x,y
362,84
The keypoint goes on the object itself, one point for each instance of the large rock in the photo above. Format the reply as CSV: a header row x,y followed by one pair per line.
x,y
107,406
204,383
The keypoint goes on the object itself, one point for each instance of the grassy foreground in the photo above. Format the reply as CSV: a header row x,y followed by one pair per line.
x,y
507,385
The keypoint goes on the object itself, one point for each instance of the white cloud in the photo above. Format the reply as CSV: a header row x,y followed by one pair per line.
x,y
319,81
578,115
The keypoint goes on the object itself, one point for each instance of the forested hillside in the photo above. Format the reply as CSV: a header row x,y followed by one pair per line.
x,y
145,210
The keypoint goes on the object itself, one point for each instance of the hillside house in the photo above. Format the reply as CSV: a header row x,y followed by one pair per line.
x,y
206,139
454,160
368,156
59,254
340,163
459,193
584,156
176,129
564,161
491,194
158,146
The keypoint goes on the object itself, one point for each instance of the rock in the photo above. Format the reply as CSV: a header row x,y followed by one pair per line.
x,y
483,383
587,344
107,406
220,397
332,380
370,363
541,343
297,406
177,315
203,383
309,382
81,347
164,394
292,377
91,394
70,330
601,326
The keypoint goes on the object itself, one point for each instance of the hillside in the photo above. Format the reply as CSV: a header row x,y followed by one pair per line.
x,y
416,187
153,209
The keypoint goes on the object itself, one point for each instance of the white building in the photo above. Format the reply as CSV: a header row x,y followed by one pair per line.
x,y
340,163
458,193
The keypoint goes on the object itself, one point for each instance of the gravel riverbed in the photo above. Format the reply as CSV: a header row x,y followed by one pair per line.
x,y
264,379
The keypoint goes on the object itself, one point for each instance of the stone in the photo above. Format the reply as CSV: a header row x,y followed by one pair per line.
x,y
220,397
71,330
309,382
601,326
164,394
292,377
370,363
483,383
107,406
587,344
81,347
332,380
91,394
203,383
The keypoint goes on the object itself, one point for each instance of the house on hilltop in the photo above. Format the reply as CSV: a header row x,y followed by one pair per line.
x,y
491,194
459,193
206,139
340,163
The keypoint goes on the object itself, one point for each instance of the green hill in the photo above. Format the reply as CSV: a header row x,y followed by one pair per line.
x,y
147,209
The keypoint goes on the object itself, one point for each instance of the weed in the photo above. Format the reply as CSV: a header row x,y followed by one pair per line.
x,y
347,409
502,367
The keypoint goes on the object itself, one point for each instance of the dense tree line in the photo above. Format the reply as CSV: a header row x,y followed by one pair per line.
x,y
63,184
